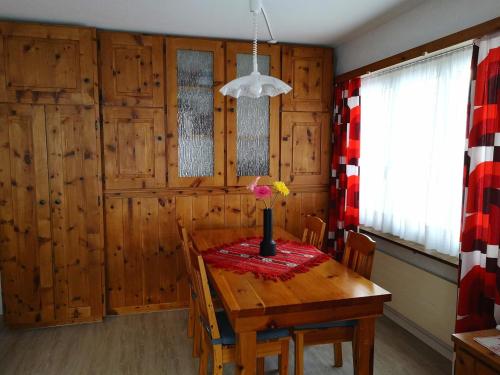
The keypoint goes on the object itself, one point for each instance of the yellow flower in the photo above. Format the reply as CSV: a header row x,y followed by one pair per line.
x,y
281,188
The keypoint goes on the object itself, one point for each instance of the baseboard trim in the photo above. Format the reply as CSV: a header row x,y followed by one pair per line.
x,y
446,350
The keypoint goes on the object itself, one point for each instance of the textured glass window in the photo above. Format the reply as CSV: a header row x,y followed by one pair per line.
x,y
195,108
252,124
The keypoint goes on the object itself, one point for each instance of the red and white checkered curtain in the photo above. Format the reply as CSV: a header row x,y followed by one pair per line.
x,y
479,285
344,185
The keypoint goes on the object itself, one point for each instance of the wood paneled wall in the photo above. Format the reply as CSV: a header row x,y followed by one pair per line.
x,y
144,266
141,236
52,232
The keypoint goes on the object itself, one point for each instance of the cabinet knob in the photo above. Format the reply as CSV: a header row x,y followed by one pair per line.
x,y
42,202
57,201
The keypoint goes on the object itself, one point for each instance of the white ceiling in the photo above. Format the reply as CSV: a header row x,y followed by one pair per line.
x,y
321,22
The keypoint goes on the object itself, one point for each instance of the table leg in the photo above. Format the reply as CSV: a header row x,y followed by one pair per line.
x,y
363,346
246,353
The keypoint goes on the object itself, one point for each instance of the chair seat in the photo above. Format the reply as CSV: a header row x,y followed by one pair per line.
x,y
324,325
227,336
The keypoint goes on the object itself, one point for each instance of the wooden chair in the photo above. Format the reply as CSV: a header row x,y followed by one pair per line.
x,y
358,253
314,231
194,328
358,256
218,336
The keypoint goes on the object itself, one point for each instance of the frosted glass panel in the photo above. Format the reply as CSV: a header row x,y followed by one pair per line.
x,y
252,124
195,106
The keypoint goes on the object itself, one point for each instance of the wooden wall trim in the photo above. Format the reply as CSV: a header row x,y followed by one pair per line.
x,y
205,191
436,45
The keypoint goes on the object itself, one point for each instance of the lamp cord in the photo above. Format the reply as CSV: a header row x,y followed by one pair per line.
x,y
254,49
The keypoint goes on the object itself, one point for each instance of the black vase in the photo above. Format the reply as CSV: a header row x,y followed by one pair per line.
x,y
268,246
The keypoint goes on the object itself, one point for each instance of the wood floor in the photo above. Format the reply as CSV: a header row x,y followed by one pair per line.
x,y
156,343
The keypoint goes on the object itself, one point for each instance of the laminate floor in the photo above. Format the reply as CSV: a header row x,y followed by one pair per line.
x,y
156,343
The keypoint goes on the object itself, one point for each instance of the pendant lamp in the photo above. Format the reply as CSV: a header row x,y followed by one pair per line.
x,y
255,85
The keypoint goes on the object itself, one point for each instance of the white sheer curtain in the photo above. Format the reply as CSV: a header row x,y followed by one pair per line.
x,y
413,122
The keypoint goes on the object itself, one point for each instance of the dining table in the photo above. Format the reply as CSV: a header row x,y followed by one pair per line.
x,y
327,292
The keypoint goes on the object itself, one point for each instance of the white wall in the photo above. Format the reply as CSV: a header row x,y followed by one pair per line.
x,y
426,302
426,22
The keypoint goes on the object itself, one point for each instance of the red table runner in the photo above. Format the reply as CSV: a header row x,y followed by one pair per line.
x,y
243,256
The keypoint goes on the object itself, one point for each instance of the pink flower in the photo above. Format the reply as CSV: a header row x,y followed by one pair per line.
x,y
252,186
262,192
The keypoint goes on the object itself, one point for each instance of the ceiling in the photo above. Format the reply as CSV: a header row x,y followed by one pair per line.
x,y
321,22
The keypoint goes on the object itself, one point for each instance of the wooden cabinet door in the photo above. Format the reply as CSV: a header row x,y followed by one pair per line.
x,y
252,124
195,113
464,363
134,148
482,369
309,70
131,69
144,268
305,148
76,212
47,64
25,229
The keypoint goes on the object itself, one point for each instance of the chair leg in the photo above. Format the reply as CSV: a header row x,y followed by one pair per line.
x,y
283,357
197,334
217,360
203,367
191,316
260,365
337,350
299,353
354,358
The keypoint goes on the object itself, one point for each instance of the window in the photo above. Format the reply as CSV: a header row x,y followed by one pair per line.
x,y
413,122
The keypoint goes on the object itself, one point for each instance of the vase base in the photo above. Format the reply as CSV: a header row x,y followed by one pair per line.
x,y
267,248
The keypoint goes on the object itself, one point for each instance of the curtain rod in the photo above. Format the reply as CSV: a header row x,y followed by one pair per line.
x,y
418,60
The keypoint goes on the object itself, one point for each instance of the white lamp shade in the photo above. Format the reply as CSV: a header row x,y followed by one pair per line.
x,y
254,86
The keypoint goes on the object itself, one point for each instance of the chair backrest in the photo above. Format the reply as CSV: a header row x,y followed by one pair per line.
x,y
314,231
183,234
202,289
358,253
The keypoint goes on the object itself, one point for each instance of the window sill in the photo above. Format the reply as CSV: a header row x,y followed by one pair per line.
x,y
412,246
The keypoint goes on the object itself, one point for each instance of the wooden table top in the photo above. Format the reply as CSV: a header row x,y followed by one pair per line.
x,y
328,285
466,340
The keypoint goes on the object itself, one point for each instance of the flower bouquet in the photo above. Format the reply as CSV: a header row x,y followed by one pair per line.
x,y
268,195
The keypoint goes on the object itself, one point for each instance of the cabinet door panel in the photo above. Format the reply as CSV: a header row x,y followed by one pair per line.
x,y
142,265
482,369
131,69
75,198
195,112
252,124
305,150
309,71
134,148
464,363
25,237
47,64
